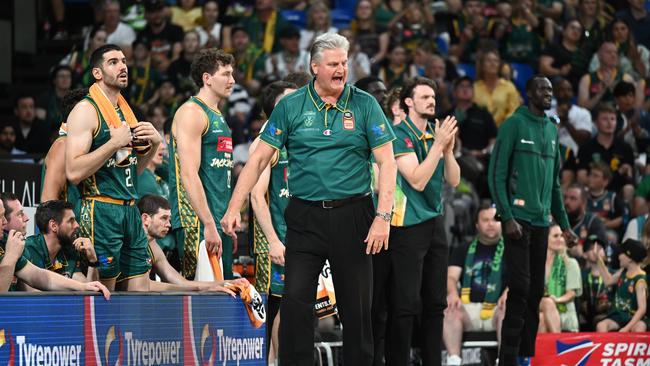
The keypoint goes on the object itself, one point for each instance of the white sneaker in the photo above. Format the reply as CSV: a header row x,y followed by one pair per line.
x,y
454,360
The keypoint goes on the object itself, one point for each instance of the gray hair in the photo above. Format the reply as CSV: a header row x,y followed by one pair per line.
x,y
327,41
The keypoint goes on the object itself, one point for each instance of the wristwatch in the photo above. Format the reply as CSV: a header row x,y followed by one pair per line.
x,y
386,216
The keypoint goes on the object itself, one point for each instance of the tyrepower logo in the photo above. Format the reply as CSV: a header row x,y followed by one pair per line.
x,y
225,349
35,354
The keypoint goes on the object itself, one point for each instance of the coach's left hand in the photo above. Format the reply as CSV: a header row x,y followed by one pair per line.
x,y
377,236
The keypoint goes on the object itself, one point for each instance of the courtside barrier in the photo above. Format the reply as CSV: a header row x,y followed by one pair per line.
x,y
593,349
57,329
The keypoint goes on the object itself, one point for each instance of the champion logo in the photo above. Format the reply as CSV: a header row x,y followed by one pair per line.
x,y
529,142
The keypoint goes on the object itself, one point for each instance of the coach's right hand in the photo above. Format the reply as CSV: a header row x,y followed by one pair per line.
x,y
212,239
513,229
230,222
121,136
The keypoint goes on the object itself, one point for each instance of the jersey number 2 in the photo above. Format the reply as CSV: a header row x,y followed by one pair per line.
x,y
129,178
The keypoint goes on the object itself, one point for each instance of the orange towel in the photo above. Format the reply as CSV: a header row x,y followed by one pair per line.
x,y
108,111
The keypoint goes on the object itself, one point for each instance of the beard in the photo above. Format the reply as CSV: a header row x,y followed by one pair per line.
x,y
66,240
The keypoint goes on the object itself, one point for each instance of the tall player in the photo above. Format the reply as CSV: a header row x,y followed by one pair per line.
x,y
269,199
103,137
201,172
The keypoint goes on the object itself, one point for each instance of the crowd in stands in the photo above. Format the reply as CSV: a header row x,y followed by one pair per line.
x,y
480,53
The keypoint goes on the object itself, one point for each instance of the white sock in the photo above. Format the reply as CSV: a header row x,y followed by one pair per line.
x,y
454,360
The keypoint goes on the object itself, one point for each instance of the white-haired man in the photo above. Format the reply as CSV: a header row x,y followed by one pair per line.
x,y
330,130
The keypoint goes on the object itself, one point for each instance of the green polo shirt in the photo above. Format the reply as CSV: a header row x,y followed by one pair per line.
x,y
412,207
37,253
328,145
20,263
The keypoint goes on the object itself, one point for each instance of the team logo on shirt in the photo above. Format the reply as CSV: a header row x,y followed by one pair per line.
x,y
224,144
348,120
379,129
309,120
273,130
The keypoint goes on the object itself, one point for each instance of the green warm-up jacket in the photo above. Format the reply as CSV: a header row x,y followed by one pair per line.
x,y
524,170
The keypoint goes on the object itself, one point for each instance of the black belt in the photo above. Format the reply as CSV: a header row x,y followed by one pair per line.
x,y
333,203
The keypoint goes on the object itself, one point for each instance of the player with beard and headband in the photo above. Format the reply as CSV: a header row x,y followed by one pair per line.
x,y
156,221
524,182
412,275
106,148
201,163
57,248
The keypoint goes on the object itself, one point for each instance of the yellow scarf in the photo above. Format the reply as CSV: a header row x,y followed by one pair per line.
x,y
109,112
269,32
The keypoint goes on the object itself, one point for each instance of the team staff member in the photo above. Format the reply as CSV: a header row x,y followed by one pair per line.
x,y
330,130
269,199
100,153
418,249
201,172
524,181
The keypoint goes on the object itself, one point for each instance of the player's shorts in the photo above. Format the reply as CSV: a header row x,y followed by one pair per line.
x,y
187,241
117,234
476,324
269,277
622,318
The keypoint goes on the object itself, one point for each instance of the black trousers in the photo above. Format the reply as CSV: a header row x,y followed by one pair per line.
x,y
315,234
410,280
524,269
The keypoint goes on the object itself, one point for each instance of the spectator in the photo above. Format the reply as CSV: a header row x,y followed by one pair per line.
x,y
33,134
633,58
209,29
8,143
436,70
117,32
134,15
630,301
583,222
521,42
144,79
264,26
49,105
164,38
386,10
16,266
57,247
358,62
595,302
493,92
478,268
631,124
606,147
319,21
575,122
185,14
413,25
157,116
239,111
598,86
179,70
78,60
566,58
290,58
588,15
166,97
373,39
466,30
606,204
299,78
398,69
148,183
240,152
563,284
250,60
637,17
14,213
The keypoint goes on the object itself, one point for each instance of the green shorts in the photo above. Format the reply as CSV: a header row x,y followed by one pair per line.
x,y
119,239
187,242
